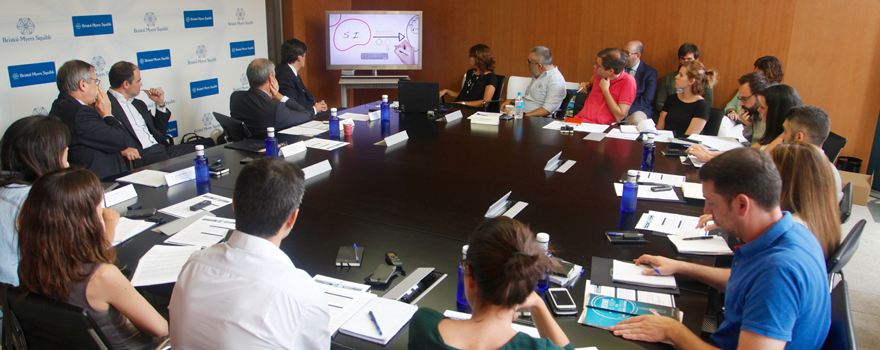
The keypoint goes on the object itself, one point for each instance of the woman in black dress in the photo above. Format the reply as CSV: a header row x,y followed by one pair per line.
x,y
686,112
480,81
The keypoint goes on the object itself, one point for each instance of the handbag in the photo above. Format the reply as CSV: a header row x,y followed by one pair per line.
x,y
12,336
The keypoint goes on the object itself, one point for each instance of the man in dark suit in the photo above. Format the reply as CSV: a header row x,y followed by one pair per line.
x,y
646,81
293,56
97,139
263,105
146,133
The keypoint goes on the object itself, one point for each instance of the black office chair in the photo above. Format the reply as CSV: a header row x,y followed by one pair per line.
x,y
563,109
832,146
234,129
838,259
716,115
842,334
846,203
579,101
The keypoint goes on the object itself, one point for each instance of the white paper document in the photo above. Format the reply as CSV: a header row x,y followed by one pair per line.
x,y
651,177
323,144
556,125
723,144
629,129
342,302
616,134
692,190
205,232
127,228
589,127
180,176
664,136
624,272
161,264
646,193
388,315
310,128
149,178
670,224
486,114
325,281
355,116
316,169
119,195
595,136
181,209
716,245
478,118
531,331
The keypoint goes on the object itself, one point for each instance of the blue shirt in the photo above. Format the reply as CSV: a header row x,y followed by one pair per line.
x,y
778,288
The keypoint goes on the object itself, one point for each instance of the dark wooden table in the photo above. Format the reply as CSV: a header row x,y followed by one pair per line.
x,y
422,199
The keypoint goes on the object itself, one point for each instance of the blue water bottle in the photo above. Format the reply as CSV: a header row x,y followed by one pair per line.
x,y
385,109
544,282
630,192
334,124
201,164
460,296
648,153
271,143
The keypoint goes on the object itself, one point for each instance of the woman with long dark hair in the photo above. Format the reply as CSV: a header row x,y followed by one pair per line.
x,y
479,82
66,254
30,147
774,102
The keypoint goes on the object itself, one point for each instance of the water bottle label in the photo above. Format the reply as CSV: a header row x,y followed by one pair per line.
x,y
519,104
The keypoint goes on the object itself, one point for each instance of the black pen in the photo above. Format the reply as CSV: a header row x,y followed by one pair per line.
x,y
697,238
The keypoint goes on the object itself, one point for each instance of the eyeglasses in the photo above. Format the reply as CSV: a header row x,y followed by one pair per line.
x,y
96,80
530,62
627,53
744,99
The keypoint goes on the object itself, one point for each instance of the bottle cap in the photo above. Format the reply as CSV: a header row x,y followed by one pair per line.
x,y
543,237
200,147
632,173
384,98
464,249
332,110
519,93
650,136
270,129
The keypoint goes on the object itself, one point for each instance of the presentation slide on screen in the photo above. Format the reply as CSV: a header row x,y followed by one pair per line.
x,y
374,39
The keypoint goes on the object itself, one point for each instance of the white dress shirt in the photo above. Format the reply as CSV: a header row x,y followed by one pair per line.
x,y
135,119
547,91
246,294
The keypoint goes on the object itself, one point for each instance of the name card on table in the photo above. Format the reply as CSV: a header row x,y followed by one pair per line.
x,y
558,165
180,176
316,169
484,119
119,195
505,207
291,149
374,115
451,117
393,139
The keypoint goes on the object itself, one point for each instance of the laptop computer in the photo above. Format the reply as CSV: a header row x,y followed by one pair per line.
x,y
418,96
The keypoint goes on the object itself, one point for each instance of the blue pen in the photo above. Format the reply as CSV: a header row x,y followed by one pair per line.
x,y
356,255
655,269
373,317
620,234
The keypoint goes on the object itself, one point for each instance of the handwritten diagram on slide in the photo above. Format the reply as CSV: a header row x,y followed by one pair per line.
x,y
373,39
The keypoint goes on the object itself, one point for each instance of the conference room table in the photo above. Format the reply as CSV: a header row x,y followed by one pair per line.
x,y
423,197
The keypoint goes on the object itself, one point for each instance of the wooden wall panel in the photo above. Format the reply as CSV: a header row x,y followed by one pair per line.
x,y
730,34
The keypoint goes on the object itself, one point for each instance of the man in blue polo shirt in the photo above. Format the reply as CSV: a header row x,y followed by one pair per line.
x,y
777,289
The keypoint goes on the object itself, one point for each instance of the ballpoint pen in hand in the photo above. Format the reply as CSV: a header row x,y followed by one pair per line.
x,y
655,269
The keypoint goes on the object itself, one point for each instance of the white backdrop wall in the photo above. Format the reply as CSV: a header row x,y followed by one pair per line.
x,y
195,51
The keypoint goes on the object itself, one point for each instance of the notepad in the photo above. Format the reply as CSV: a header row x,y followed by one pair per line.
x,y
624,272
714,246
149,178
127,228
391,316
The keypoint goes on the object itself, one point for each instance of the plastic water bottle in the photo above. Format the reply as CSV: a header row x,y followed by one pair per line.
x,y
544,282
518,111
201,164
630,192
334,124
648,153
271,143
460,296
385,109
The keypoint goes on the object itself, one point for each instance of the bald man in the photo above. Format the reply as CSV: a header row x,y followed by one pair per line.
x,y
646,81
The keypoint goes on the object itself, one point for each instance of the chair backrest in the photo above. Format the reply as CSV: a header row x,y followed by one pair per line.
x,y
235,129
52,324
832,146
580,100
846,203
517,84
571,86
838,259
714,122
842,334
563,109
495,104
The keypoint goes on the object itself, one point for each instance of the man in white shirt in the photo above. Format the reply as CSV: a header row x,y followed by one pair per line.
x,y
812,125
146,132
246,293
546,91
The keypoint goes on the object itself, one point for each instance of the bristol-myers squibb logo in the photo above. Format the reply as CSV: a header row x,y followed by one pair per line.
x,y
150,20
40,111
202,53
98,62
26,28
207,119
239,16
15,76
244,84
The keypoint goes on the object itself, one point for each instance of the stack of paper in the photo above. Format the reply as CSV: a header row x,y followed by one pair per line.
x,y
591,128
629,273
650,177
324,144
390,317
206,231
617,134
149,178
692,190
712,246
723,144
630,294
311,128
645,192
127,228
566,274
161,264
670,224
344,299
182,209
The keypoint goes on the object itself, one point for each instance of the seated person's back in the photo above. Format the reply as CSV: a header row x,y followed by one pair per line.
x,y
262,106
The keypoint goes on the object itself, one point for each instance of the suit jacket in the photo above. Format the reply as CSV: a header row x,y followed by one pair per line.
x,y
95,141
157,125
258,111
291,86
646,88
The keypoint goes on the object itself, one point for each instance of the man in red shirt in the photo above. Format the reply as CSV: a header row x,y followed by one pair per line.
x,y
613,90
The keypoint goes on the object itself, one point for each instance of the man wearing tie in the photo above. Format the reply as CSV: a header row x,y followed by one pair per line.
x,y
293,56
646,82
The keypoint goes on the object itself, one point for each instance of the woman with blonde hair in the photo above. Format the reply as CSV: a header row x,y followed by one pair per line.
x,y
479,82
687,112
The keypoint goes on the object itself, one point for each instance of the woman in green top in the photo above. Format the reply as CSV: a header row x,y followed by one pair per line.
x,y
502,268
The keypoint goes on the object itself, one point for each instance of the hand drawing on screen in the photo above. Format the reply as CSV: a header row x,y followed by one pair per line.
x,y
405,52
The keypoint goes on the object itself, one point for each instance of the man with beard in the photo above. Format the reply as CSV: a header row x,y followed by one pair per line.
x,y
545,93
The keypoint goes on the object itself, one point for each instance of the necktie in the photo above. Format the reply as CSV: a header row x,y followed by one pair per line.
x,y
631,71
